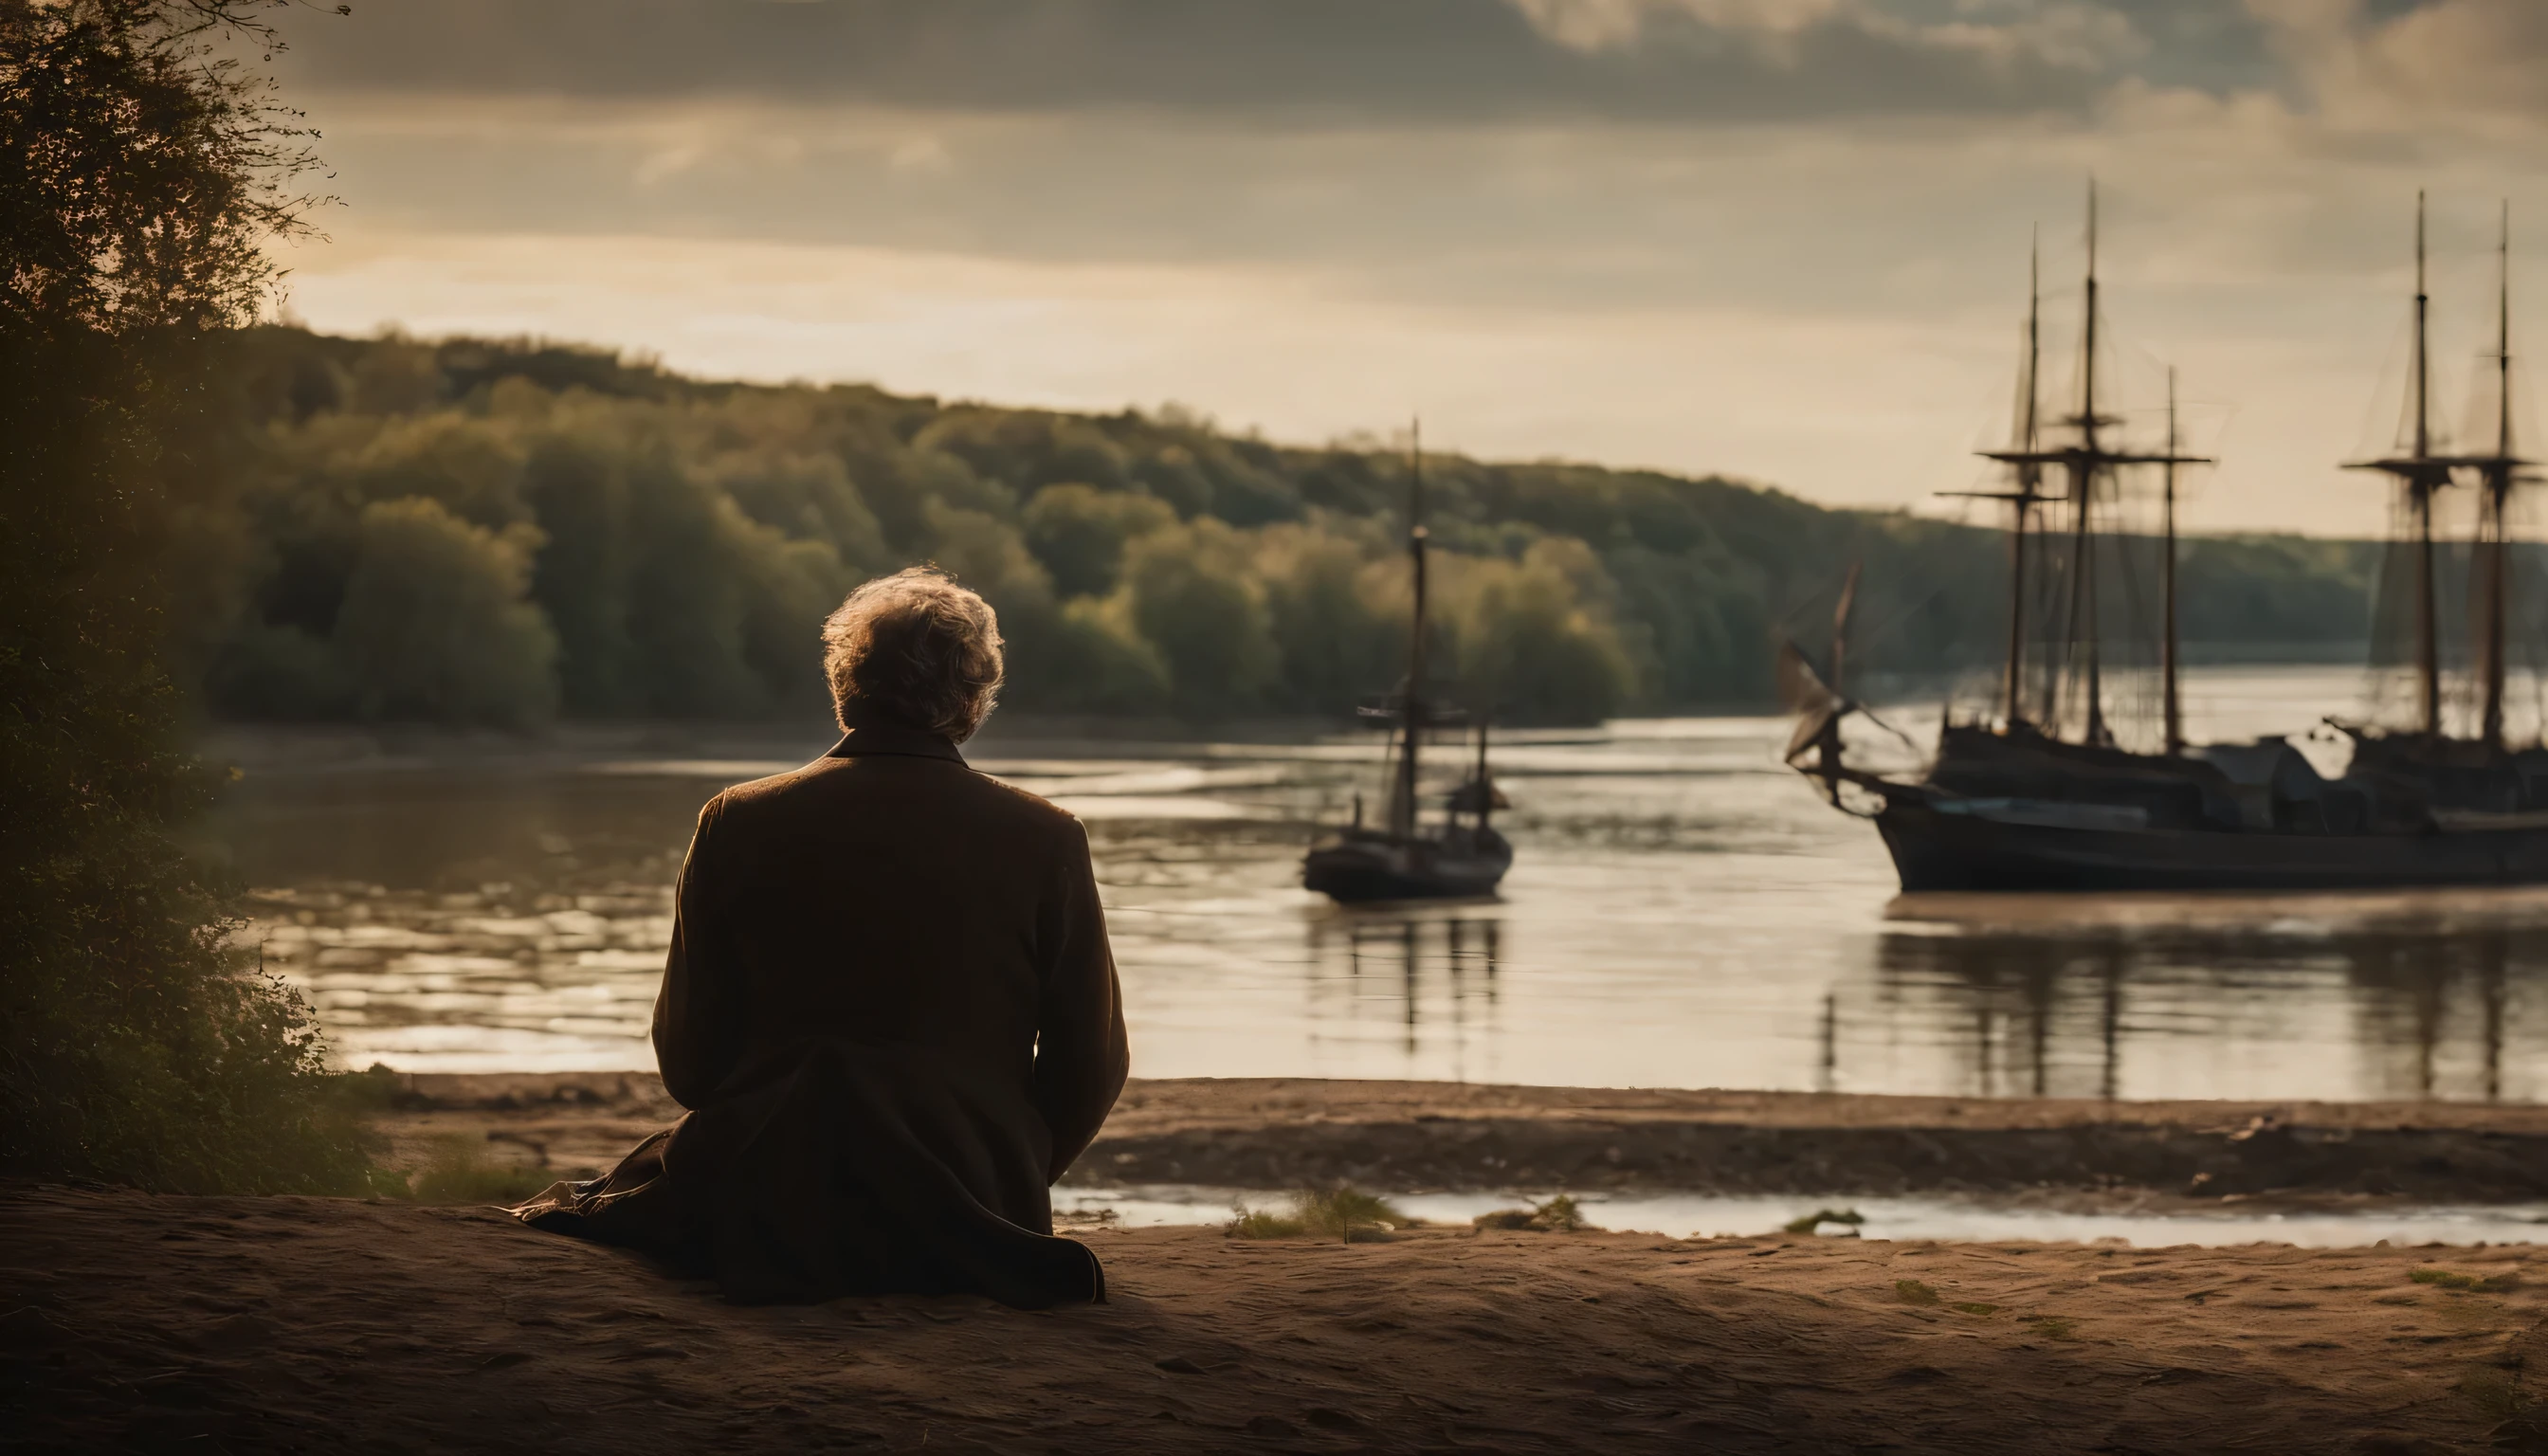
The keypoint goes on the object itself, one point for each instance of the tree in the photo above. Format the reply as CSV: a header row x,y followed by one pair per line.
x,y
1079,533
1191,594
1340,634
1532,640
139,172
436,623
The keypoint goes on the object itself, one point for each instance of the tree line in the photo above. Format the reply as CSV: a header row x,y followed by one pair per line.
x,y
499,532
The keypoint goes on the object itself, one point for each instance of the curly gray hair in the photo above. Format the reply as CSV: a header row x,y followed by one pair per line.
x,y
917,648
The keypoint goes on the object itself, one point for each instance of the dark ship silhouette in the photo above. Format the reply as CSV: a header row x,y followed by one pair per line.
x,y
1402,859
2044,797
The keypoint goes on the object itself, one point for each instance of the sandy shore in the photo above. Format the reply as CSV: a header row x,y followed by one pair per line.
x,y
144,1323
1436,1136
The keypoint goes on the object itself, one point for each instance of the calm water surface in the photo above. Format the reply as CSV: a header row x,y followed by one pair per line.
x,y
1701,1216
1682,912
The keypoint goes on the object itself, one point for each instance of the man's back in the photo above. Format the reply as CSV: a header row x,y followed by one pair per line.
x,y
886,894
888,1002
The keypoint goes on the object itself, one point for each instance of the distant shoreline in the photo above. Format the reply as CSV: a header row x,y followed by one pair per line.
x,y
303,748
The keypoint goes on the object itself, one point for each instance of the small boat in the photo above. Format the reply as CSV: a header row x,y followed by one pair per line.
x,y
2045,797
1459,857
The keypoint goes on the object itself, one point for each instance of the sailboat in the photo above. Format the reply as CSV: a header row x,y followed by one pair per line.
x,y
1460,855
2032,801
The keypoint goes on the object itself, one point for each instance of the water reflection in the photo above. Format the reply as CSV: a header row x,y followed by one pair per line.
x,y
2422,1006
1433,961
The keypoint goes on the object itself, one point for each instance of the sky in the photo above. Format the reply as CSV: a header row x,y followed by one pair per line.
x,y
1784,241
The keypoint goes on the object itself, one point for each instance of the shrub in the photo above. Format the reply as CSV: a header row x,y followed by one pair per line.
x,y
135,1044
1343,1214
1559,1215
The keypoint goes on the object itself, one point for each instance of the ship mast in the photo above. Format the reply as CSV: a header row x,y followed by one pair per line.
x,y
2083,480
1402,798
2084,462
2420,474
2429,664
2494,525
2172,710
2030,479
2027,448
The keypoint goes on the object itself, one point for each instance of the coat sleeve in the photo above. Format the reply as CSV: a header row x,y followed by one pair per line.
x,y
697,1018
1081,1052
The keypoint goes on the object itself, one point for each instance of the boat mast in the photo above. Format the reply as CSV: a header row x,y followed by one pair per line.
x,y
2084,461
2083,477
2495,527
2029,479
2420,474
2025,453
2429,664
1402,799
2172,711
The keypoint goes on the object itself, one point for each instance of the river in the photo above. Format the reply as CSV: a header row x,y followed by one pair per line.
x,y
1682,912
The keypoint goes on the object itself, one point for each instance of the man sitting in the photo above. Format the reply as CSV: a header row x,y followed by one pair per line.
x,y
889,1004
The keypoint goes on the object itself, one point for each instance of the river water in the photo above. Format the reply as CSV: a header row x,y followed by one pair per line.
x,y
1682,912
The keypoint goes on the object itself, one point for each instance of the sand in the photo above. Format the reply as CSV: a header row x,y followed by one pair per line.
x,y
146,1323
1438,1136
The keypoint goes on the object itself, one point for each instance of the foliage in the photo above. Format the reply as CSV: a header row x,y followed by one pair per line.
x,y
692,533
1560,1214
435,620
1079,533
2451,1279
1343,1214
1809,1222
457,1168
138,170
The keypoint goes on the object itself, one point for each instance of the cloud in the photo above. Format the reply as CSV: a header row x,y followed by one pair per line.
x,y
1085,201
1421,61
2389,62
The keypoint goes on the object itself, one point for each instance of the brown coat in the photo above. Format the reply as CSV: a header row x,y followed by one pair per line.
x,y
890,1007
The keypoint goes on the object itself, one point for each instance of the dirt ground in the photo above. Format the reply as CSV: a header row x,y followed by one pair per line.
x,y
153,1323
1428,1136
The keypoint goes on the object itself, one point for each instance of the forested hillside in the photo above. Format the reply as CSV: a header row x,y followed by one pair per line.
x,y
497,534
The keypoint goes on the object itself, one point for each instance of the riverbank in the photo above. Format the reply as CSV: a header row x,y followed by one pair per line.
x,y
137,1322
1275,1134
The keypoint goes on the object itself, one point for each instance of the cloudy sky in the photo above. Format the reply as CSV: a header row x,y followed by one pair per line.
x,y
1784,239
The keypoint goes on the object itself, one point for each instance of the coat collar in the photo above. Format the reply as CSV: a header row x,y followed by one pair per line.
x,y
873,733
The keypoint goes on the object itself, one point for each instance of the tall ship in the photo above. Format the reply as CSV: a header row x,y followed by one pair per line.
x,y
2040,794
1458,856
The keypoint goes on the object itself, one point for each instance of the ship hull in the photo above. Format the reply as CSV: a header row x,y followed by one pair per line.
x,y
1363,869
1944,851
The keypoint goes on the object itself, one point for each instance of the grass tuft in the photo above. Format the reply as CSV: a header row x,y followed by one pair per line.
x,y
1248,1223
2448,1279
1913,1292
1343,1214
458,1169
1560,1214
1819,1217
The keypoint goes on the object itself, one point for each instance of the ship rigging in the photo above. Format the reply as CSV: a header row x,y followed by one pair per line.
x,y
2047,797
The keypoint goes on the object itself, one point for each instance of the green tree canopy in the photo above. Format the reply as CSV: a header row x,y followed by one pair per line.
x,y
696,532
1079,533
437,620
